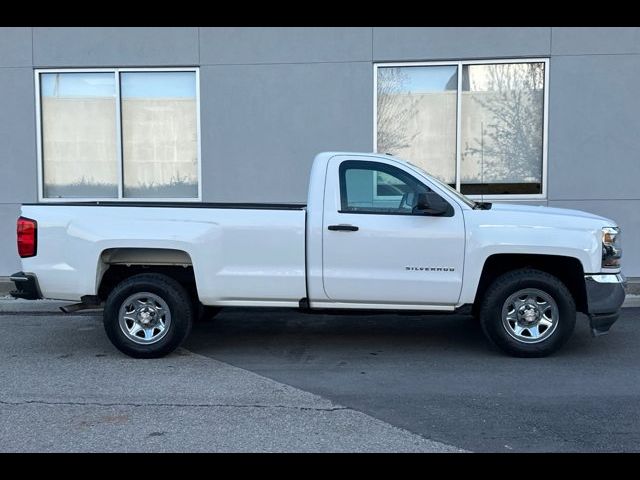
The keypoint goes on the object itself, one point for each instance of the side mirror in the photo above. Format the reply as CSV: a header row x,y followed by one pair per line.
x,y
430,203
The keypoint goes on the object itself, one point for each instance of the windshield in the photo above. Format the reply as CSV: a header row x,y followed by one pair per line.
x,y
447,187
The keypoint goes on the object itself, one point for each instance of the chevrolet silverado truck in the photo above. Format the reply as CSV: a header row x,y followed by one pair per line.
x,y
377,233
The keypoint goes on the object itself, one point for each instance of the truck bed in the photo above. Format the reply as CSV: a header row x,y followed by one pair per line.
x,y
241,254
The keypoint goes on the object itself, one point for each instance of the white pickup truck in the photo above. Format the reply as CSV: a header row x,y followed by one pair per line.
x,y
377,233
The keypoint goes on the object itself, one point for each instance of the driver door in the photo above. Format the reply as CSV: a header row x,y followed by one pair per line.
x,y
376,250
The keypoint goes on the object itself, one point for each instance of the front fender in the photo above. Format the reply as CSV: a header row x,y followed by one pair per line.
x,y
485,239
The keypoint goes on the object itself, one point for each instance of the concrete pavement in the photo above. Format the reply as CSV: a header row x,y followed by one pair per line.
x,y
66,389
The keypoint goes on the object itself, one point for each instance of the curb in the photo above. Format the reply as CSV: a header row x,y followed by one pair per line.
x,y
633,287
12,305
8,304
631,301
6,286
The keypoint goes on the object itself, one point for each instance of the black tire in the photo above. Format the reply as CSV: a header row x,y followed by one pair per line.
x,y
491,312
171,292
205,313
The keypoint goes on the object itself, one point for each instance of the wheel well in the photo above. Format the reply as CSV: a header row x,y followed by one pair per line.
x,y
118,264
567,269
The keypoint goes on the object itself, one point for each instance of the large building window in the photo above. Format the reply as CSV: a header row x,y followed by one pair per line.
x,y
119,134
478,126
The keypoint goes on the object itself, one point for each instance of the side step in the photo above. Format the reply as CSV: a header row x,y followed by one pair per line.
x,y
88,302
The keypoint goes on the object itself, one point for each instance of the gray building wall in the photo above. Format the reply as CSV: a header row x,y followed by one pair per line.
x,y
271,98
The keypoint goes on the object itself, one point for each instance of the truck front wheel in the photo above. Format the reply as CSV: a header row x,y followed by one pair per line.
x,y
528,313
148,315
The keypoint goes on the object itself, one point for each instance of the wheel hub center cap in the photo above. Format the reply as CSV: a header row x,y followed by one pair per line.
x,y
528,313
146,315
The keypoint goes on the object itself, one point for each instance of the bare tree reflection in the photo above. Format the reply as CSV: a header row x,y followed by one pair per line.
x,y
506,140
394,116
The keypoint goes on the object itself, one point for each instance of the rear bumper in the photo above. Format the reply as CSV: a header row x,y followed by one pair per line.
x,y
605,295
26,286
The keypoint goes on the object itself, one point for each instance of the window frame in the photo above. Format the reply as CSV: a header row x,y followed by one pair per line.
x,y
119,146
458,159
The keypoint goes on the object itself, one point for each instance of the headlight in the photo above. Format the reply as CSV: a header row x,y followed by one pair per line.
x,y
611,251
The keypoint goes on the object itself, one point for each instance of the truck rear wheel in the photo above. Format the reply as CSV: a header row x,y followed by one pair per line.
x,y
148,315
528,313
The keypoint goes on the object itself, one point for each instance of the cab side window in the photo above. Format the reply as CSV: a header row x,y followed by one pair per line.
x,y
373,187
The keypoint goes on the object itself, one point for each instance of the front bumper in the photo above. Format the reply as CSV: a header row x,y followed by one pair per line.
x,y
26,286
605,295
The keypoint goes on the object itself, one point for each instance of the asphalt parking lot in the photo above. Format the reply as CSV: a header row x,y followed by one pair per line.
x,y
438,377
278,380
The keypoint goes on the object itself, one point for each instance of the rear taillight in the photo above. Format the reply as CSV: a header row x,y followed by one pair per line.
x,y
27,237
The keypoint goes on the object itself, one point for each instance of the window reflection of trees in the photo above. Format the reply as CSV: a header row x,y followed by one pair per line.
x,y
393,116
506,142
501,126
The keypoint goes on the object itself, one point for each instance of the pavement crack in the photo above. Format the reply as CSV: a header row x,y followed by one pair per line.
x,y
178,405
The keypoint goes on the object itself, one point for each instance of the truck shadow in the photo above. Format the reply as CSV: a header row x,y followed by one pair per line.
x,y
290,334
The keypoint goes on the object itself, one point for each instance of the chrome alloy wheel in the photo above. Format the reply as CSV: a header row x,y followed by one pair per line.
x,y
144,318
530,315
